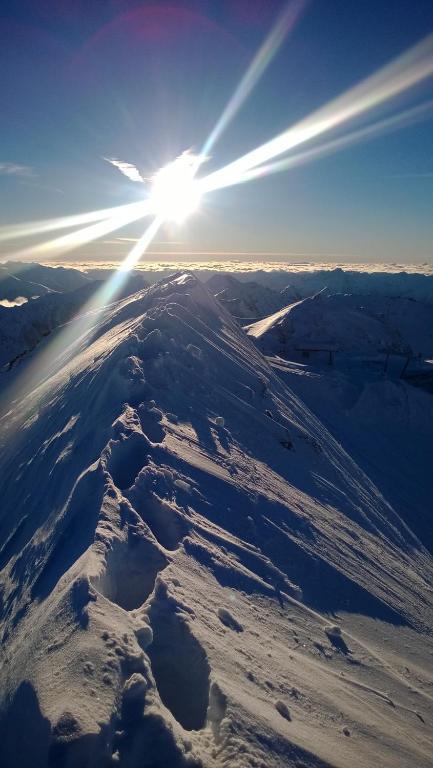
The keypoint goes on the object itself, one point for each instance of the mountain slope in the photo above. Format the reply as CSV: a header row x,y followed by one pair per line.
x,y
244,300
386,423
363,281
23,327
194,572
354,324
28,280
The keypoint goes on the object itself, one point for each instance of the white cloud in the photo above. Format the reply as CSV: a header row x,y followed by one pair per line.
x,y
128,170
14,169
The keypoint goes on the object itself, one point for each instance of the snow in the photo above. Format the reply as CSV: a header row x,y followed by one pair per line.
x,y
300,281
200,564
23,326
259,328
20,280
292,281
363,325
245,300
283,709
229,620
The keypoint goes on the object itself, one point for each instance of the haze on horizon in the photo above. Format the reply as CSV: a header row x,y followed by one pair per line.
x,y
143,83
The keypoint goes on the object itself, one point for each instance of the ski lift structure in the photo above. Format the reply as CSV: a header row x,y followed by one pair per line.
x,y
306,348
406,355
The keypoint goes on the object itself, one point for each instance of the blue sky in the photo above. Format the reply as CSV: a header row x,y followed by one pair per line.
x,y
81,81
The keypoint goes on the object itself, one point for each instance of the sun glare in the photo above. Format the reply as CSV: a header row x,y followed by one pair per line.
x,y
175,194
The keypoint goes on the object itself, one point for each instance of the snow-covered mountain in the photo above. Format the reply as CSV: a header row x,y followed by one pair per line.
x,y
361,325
385,422
23,326
289,295
302,283
244,300
20,280
194,571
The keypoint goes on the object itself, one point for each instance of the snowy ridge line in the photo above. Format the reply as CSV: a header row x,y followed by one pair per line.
x,y
396,551
352,324
158,521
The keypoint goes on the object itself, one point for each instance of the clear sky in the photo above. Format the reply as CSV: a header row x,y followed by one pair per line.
x,y
81,80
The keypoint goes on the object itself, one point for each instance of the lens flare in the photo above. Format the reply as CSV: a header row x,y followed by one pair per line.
x,y
396,78
386,125
262,59
175,194
122,216
75,335
140,247
30,228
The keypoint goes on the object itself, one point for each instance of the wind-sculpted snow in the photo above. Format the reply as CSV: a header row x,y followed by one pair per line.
x,y
354,324
178,535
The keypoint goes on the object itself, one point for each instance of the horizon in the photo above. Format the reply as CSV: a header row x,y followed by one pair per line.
x,y
241,266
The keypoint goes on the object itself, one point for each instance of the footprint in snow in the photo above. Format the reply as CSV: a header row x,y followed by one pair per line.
x,y
229,620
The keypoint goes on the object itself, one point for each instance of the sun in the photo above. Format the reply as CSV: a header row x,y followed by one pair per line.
x,y
175,193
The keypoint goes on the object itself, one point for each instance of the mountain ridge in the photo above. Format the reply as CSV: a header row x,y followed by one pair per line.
x,y
189,493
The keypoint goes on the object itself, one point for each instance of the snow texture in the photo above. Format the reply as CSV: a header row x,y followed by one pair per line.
x,y
198,567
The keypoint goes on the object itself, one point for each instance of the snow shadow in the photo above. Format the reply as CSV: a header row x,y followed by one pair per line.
x,y
179,665
202,429
288,752
12,542
150,743
226,570
131,571
24,731
127,458
339,643
149,420
324,588
165,522
74,533
71,745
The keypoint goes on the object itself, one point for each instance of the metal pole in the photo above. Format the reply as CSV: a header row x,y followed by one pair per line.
x,y
403,370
